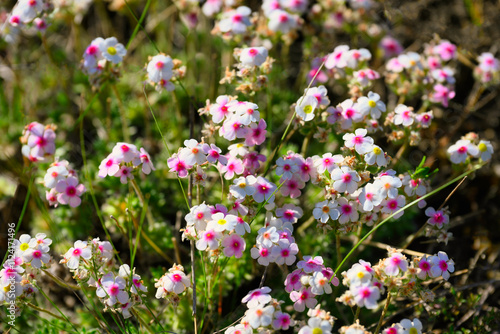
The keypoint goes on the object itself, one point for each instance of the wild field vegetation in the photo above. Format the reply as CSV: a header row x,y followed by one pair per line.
x,y
230,166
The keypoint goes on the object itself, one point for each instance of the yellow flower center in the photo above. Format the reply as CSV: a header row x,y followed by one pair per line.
x,y
242,185
6,288
308,109
372,104
222,222
482,147
413,330
24,246
377,150
317,330
360,274
111,50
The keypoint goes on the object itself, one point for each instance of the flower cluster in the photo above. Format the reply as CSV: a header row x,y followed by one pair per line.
x,y
123,160
488,69
429,74
63,185
319,321
20,272
162,70
215,230
470,147
172,284
263,313
367,283
250,75
311,278
101,58
38,141
92,262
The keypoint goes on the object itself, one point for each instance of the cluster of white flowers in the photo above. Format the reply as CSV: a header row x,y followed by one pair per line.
x,y
20,272
172,284
488,69
470,147
38,141
162,69
263,313
123,160
92,262
99,53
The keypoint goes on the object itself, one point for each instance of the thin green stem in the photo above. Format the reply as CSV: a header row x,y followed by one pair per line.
x,y
139,25
121,110
57,308
404,208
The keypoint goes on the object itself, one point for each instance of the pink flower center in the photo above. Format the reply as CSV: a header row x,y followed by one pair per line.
x,y
285,253
443,265
264,252
113,290
304,295
424,265
392,205
236,245
176,277
77,252
252,52
283,18
358,140
54,174
346,209
438,217
462,150
41,142
396,260
346,178
237,18
71,191
349,113
159,65
109,163
125,148
37,254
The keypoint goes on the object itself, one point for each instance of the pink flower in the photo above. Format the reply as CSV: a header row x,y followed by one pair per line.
x,y
391,205
178,165
336,59
124,174
391,46
147,164
257,133
109,166
358,141
213,154
310,264
365,295
302,299
348,211
264,190
210,239
424,268
292,187
254,56
346,180
220,109
234,166
306,169
174,281
42,144
111,289
446,50
264,255
437,218
70,191
233,245
281,321
425,118
289,213
394,263
442,94
292,281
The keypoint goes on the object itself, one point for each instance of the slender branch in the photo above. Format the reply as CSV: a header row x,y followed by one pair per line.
x,y
384,311
39,309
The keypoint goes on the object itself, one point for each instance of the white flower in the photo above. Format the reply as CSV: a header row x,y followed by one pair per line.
x,y
160,67
112,50
461,149
236,21
316,325
54,174
409,327
485,150
371,105
403,116
305,107
326,210
111,289
280,20
376,155
254,56
259,316
219,223
243,186
441,265
320,284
